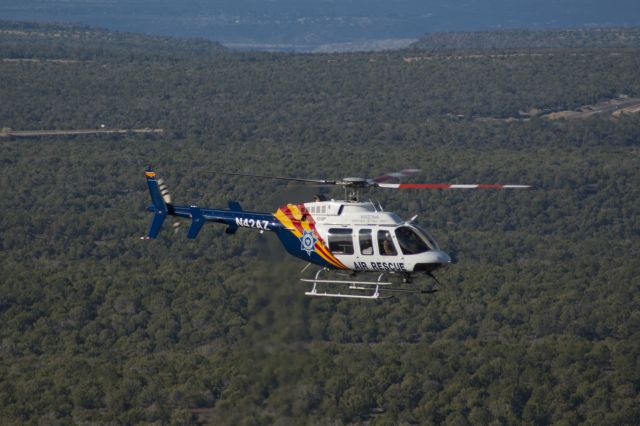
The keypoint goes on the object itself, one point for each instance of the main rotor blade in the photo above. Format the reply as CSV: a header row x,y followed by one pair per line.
x,y
316,181
450,186
296,193
395,175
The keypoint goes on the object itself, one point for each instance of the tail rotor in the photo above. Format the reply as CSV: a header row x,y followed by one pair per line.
x,y
164,191
166,197
161,203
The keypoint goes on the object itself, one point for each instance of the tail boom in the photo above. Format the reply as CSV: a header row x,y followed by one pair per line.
x,y
234,218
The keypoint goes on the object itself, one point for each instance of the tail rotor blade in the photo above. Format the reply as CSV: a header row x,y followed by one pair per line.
x,y
176,226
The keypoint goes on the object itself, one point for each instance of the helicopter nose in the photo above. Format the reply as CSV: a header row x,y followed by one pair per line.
x,y
432,260
443,258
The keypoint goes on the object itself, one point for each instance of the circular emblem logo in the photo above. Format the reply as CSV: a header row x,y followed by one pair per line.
x,y
308,242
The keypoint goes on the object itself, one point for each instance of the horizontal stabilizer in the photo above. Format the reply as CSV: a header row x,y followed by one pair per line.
x,y
235,206
197,220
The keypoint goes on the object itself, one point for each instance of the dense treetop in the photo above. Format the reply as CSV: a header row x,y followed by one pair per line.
x,y
537,322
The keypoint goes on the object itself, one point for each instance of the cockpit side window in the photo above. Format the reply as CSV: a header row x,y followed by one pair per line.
x,y
410,242
340,241
385,244
366,242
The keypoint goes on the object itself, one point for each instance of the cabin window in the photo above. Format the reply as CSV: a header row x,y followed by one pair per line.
x,y
385,244
366,242
341,241
410,242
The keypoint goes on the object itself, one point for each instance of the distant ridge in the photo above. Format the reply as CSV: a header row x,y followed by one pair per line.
x,y
532,39
23,40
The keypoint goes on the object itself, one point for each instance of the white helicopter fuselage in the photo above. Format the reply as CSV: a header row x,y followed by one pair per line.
x,y
365,238
334,235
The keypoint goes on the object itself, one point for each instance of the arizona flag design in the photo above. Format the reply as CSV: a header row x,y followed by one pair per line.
x,y
299,221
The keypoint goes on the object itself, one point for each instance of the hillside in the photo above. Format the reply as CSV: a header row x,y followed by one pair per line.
x,y
578,38
538,321
54,41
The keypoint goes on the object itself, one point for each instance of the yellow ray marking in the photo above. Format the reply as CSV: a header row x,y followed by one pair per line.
x,y
306,226
295,211
287,222
329,259
320,249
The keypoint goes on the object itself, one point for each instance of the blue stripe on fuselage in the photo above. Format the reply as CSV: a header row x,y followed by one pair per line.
x,y
257,221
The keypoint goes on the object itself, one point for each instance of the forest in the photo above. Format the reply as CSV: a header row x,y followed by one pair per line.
x,y
537,321
574,38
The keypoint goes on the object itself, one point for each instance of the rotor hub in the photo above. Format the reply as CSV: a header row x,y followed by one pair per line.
x,y
356,182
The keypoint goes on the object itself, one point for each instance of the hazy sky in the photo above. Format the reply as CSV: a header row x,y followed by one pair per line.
x,y
313,22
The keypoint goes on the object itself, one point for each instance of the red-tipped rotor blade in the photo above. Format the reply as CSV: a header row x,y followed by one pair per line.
x,y
450,186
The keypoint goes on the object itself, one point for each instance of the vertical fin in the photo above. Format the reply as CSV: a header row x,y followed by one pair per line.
x,y
159,207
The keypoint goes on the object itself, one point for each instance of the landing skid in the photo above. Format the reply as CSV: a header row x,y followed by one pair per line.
x,y
409,290
363,286
363,289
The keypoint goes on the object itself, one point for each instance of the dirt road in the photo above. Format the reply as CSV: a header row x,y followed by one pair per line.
x,y
32,133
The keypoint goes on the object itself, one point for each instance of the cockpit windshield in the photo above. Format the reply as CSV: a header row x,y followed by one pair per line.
x,y
412,242
430,240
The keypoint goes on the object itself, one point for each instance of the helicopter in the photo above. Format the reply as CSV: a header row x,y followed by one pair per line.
x,y
349,236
